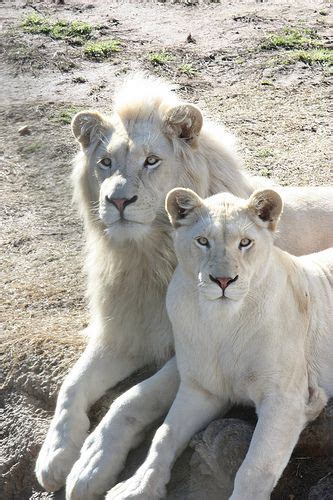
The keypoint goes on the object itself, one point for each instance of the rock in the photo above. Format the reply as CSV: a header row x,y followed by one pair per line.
x,y
190,39
33,372
25,130
323,489
209,471
317,438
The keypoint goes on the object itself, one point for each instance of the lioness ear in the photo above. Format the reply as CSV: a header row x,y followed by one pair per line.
x,y
266,205
87,127
179,203
184,121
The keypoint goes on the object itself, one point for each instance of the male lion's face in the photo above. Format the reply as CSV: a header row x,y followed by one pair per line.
x,y
131,165
223,242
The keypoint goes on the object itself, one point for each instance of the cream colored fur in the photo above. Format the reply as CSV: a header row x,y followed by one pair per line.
x,y
130,262
264,339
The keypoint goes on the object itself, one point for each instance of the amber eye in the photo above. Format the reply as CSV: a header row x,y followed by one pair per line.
x,y
245,242
203,241
106,162
152,161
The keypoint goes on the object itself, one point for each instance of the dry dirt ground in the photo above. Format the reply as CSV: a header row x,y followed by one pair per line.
x,y
277,106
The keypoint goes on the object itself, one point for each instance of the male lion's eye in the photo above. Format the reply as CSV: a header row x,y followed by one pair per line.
x,y
203,241
106,162
245,242
152,162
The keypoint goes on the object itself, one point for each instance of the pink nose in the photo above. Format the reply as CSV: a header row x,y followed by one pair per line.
x,y
224,282
119,202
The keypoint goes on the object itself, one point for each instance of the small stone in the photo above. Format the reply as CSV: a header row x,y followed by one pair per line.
x,y
25,130
190,39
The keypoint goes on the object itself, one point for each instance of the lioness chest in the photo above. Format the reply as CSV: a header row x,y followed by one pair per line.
x,y
232,356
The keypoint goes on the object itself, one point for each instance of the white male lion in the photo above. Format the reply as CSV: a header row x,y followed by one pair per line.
x,y
252,324
128,162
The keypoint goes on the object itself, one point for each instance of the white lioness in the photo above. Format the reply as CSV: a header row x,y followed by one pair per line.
x,y
128,162
252,324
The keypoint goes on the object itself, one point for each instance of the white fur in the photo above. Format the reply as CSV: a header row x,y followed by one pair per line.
x,y
268,342
130,263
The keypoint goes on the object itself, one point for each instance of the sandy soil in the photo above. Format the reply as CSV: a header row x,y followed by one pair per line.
x,y
278,111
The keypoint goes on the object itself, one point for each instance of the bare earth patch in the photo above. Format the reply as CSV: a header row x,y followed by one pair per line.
x,y
229,59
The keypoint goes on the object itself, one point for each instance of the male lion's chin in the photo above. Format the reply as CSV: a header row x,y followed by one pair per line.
x,y
122,231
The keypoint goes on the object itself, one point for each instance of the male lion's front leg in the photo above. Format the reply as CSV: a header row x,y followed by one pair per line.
x,y
281,420
104,452
190,412
97,369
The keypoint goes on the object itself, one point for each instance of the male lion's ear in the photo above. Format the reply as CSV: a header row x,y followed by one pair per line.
x,y
179,203
184,121
87,127
266,205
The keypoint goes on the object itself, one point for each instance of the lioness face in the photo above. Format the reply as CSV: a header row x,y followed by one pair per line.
x,y
131,166
223,242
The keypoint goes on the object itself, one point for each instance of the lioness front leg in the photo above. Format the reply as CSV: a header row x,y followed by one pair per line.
x,y
105,450
192,410
281,420
98,369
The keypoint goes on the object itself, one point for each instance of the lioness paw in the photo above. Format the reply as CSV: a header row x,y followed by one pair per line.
x,y
93,473
143,485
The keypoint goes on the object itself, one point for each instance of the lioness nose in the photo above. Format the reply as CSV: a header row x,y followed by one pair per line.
x,y
223,282
121,203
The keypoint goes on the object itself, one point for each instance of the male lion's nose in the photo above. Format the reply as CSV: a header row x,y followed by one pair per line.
x,y
223,282
121,203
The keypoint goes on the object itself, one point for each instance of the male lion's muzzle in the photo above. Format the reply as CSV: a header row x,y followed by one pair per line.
x,y
223,282
120,203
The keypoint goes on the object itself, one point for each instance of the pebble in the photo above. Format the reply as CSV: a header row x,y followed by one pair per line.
x,y
25,130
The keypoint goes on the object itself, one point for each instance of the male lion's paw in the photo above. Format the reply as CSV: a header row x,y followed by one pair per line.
x,y
144,485
94,472
55,460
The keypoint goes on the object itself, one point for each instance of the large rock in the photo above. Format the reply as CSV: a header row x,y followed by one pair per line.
x,y
34,369
208,472
317,437
323,490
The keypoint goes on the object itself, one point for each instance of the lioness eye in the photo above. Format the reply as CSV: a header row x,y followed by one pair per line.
x,y
245,242
203,241
151,161
105,162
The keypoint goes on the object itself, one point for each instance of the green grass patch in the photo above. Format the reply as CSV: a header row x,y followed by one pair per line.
x,y
265,172
267,83
79,79
264,153
292,38
76,32
65,116
323,57
188,69
159,58
29,149
101,50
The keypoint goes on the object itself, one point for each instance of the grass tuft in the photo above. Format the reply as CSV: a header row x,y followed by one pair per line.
x,y
159,58
65,116
188,69
264,153
322,57
292,38
101,50
75,32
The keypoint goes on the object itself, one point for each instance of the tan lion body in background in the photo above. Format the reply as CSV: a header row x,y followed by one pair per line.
x,y
154,143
